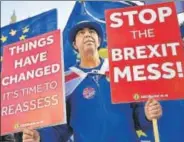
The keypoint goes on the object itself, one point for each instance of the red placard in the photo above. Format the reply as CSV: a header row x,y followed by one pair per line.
x,y
32,84
145,53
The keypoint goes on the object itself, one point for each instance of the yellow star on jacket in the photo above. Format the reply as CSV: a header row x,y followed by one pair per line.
x,y
12,32
25,29
140,133
22,37
3,38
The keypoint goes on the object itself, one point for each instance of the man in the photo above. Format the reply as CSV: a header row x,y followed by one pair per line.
x,y
91,115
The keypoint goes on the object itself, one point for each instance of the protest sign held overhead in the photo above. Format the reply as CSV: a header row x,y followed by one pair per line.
x,y
32,84
145,61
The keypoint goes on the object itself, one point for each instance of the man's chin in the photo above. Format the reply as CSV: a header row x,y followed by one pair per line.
x,y
89,44
89,47
89,50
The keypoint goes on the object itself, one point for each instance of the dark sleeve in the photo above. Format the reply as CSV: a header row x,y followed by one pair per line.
x,y
59,133
140,120
18,137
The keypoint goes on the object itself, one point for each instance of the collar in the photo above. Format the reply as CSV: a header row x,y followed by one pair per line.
x,y
83,72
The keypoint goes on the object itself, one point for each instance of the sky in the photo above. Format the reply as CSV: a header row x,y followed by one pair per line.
x,y
25,9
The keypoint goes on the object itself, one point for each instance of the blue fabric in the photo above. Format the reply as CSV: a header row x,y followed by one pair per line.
x,y
93,118
37,25
60,133
170,125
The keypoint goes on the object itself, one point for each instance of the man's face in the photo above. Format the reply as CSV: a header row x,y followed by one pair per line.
x,y
86,41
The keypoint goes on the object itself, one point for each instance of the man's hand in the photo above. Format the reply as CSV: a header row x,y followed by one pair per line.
x,y
30,135
153,109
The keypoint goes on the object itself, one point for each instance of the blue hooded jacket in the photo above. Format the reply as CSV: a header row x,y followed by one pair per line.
x,y
91,115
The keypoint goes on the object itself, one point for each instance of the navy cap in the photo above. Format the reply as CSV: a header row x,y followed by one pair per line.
x,y
85,22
